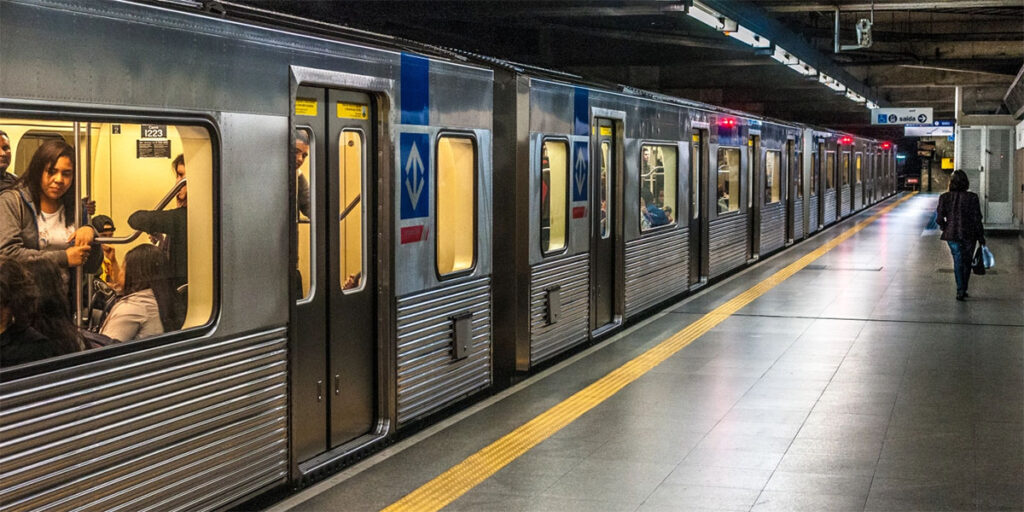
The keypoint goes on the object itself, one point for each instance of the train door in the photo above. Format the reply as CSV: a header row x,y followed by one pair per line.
x,y
790,180
753,199
698,211
605,231
334,339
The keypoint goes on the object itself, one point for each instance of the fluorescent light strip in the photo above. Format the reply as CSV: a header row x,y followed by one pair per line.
x,y
706,16
747,36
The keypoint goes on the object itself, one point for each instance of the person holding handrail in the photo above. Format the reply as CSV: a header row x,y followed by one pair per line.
x,y
171,226
37,216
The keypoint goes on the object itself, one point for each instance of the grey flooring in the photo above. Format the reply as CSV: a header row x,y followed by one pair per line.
x,y
857,384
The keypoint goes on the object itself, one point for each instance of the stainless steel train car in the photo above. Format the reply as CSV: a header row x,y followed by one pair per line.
x,y
368,231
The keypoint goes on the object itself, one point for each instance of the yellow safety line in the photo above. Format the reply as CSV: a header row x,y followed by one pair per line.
x,y
455,482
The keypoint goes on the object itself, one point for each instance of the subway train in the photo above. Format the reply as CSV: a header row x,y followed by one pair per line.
x,y
378,231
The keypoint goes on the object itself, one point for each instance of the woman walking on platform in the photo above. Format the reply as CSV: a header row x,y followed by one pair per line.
x,y
959,216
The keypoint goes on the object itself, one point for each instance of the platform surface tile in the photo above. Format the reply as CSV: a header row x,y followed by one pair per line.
x,y
858,383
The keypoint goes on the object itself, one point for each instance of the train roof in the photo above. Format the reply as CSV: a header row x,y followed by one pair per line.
x,y
238,12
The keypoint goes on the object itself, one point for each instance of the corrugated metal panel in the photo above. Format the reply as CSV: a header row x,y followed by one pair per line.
x,y
858,196
970,153
798,219
572,275
428,376
657,267
812,214
728,244
773,227
846,201
191,425
830,207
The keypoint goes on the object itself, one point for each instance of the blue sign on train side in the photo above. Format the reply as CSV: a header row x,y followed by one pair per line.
x,y
414,151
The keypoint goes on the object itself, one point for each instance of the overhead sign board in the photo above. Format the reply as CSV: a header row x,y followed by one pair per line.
x,y
927,131
893,116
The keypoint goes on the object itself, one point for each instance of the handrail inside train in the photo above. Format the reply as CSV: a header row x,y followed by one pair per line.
x,y
160,206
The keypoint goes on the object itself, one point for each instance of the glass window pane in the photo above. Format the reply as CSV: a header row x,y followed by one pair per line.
x,y
845,169
554,190
830,170
350,223
728,179
456,207
606,200
772,177
304,142
127,172
659,175
696,161
798,174
816,170
858,167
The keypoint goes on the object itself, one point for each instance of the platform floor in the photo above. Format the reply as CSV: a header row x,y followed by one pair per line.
x,y
858,383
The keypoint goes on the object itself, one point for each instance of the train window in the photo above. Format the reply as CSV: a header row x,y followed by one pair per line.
x,y
696,161
659,175
857,167
554,195
304,185
456,204
772,177
830,170
728,179
798,174
815,171
352,164
845,169
606,200
134,177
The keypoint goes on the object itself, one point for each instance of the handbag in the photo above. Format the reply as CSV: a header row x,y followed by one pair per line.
x,y
978,262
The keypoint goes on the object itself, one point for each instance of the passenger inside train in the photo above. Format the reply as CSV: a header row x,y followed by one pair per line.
x,y
168,229
150,304
7,178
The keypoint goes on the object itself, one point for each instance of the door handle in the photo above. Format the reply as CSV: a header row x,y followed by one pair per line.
x,y
337,384
320,390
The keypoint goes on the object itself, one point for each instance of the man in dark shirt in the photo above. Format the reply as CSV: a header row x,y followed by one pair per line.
x,y
172,225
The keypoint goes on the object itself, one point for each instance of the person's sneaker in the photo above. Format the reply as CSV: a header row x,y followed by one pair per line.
x,y
966,295
960,296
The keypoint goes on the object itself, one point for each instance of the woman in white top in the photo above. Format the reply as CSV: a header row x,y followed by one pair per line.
x,y
37,216
150,305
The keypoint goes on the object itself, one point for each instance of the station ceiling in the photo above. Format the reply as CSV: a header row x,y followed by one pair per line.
x,y
920,51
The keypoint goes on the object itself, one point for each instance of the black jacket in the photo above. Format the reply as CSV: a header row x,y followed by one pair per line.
x,y
22,344
959,216
174,224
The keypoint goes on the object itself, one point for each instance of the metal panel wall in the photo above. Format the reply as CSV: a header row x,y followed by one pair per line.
x,y
858,196
812,215
798,219
846,201
728,243
192,425
657,268
572,276
830,207
773,227
429,378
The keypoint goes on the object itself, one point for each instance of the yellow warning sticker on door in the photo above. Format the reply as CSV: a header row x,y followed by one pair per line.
x,y
696,138
606,131
305,107
353,111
